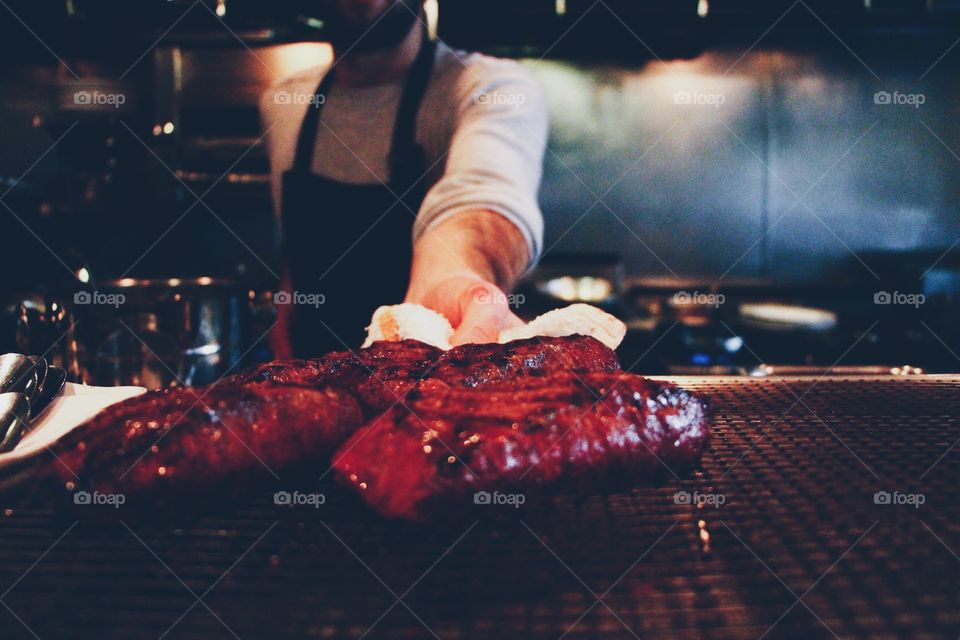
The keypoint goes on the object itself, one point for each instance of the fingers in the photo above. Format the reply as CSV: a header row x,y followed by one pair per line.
x,y
483,310
477,309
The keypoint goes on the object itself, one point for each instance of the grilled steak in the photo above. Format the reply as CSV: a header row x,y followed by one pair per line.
x,y
560,429
468,365
282,414
197,438
406,359
473,365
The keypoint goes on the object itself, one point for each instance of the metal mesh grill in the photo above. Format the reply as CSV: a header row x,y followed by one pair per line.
x,y
797,549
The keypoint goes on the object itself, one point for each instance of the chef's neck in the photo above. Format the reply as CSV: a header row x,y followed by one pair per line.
x,y
382,67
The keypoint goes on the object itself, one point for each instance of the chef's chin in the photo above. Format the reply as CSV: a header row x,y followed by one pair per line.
x,y
368,26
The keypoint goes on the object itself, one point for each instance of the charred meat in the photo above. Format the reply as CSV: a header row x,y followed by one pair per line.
x,y
469,365
197,438
558,430
406,359
439,424
474,365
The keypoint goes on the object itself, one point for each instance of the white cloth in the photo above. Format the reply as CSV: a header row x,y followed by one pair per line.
x,y
75,405
482,124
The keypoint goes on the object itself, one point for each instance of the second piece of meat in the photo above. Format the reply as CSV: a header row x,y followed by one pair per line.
x,y
586,432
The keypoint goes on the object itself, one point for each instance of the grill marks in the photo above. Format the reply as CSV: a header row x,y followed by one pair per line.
x,y
580,431
282,415
185,438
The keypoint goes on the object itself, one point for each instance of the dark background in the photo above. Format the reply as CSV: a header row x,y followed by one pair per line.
x,y
694,190
799,180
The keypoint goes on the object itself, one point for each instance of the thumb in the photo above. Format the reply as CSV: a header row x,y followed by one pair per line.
x,y
483,310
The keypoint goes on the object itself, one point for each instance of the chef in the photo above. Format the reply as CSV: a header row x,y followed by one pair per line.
x,y
402,171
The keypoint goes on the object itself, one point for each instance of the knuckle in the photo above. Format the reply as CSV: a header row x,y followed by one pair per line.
x,y
479,289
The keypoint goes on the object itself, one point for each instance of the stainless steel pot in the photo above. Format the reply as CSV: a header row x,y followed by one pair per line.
x,y
159,332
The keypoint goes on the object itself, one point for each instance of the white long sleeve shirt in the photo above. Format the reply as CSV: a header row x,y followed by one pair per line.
x,y
482,123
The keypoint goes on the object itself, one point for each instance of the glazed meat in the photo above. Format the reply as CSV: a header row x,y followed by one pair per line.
x,y
584,432
440,425
382,373
405,359
279,415
473,365
202,438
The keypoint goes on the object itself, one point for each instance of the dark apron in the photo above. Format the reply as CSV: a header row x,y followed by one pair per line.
x,y
351,244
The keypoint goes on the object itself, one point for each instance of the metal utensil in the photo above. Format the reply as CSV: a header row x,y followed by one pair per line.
x,y
41,366
56,378
17,374
14,418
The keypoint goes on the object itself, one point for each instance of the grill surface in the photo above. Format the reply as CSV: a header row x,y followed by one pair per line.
x,y
797,549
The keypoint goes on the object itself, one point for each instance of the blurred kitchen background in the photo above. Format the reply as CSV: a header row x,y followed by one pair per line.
x,y
755,186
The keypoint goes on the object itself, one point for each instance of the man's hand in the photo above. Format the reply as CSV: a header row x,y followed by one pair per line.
x,y
477,309
460,268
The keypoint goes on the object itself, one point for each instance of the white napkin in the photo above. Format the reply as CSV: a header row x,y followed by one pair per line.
x,y
75,405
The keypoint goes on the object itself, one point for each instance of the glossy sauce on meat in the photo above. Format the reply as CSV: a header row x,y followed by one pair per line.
x,y
202,437
562,429
284,414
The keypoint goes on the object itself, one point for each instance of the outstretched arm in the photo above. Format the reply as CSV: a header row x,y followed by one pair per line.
x,y
461,268
480,226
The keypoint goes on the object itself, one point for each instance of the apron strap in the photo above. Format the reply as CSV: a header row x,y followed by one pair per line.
x,y
404,147
406,160
307,139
